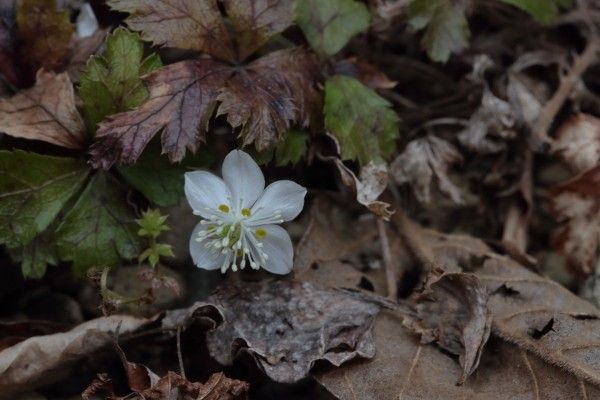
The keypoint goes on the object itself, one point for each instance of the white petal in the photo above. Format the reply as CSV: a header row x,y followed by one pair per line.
x,y
286,197
243,177
204,257
205,190
280,252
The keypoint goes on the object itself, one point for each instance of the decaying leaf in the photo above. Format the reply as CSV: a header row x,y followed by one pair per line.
x,y
423,159
369,186
367,73
577,205
404,369
40,360
453,313
36,114
578,141
287,326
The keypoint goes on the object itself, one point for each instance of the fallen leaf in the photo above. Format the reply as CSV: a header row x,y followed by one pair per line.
x,y
40,360
367,73
577,205
329,25
578,141
35,114
287,326
422,160
369,186
404,369
453,313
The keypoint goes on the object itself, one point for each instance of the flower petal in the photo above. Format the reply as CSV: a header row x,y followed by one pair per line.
x,y
244,179
279,249
204,257
285,197
205,190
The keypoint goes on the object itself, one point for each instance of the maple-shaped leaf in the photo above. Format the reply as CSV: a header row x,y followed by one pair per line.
x,y
100,229
577,204
37,114
269,96
445,24
329,24
111,83
578,141
33,190
361,120
44,34
264,100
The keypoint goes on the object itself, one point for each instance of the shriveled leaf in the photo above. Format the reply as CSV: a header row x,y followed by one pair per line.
x,y
185,24
182,98
329,24
369,185
405,369
362,121
577,204
155,177
422,160
453,313
543,11
254,22
111,83
100,229
578,141
367,73
287,326
44,34
33,190
270,95
40,360
445,24
36,114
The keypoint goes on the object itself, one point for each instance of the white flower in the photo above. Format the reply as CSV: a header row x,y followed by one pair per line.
x,y
240,216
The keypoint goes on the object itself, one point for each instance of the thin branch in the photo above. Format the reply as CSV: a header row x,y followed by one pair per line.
x,y
390,270
179,354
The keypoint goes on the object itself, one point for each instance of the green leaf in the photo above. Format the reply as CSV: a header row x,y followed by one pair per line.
x,y
152,223
33,190
155,177
362,121
544,11
292,148
35,256
445,24
329,24
100,229
111,83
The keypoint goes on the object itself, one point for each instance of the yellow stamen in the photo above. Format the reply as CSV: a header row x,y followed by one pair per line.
x,y
224,208
239,253
261,233
246,212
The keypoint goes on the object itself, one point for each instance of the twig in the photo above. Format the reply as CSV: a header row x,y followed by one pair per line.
x,y
411,235
179,354
390,276
567,83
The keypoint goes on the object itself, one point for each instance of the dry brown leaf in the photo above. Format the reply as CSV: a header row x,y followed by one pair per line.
x,y
369,186
421,161
40,360
287,326
367,73
37,115
270,95
404,369
578,141
81,50
185,24
577,204
453,313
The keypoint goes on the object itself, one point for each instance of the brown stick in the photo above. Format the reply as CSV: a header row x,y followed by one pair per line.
x,y
553,106
410,233
390,275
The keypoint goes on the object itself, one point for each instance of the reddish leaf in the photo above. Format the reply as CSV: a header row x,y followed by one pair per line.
x,y
181,100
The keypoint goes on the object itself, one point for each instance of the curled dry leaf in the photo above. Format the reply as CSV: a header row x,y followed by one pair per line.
x,y
287,326
453,312
422,160
367,73
35,114
369,186
44,359
577,204
578,141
